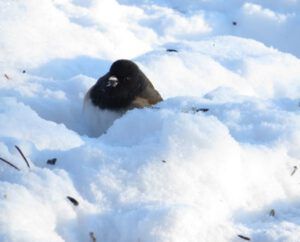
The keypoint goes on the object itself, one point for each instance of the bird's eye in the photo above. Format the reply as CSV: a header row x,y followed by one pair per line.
x,y
127,78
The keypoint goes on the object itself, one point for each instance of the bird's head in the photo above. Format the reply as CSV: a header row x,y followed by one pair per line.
x,y
122,72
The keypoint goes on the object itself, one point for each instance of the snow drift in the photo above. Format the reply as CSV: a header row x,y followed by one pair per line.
x,y
167,174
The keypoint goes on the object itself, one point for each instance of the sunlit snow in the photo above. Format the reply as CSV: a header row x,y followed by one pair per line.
x,y
166,174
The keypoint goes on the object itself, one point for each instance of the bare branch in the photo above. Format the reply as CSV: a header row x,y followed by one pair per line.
x,y
23,156
7,162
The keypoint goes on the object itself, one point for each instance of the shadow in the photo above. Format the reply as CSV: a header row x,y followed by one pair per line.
x,y
288,104
66,68
59,88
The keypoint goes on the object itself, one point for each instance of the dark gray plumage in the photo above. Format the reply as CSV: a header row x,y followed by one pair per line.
x,y
125,86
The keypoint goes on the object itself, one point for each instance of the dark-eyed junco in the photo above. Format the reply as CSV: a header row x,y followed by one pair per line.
x,y
124,87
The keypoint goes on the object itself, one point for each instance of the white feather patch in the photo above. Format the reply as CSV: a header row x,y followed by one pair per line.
x,y
97,120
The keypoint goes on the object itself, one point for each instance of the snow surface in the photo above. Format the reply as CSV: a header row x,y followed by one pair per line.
x,y
168,174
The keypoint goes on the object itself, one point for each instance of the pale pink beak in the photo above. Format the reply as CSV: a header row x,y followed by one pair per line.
x,y
112,81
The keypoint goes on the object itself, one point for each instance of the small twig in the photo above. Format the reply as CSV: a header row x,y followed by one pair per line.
x,y
12,165
272,213
294,171
92,236
6,76
204,110
171,50
244,237
73,201
23,156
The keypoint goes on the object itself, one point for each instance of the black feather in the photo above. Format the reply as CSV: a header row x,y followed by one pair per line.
x,y
131,82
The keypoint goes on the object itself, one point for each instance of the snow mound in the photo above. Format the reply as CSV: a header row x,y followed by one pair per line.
x,y
18,121
157,171
215,161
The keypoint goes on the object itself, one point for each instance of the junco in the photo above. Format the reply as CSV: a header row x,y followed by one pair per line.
x,y
124,87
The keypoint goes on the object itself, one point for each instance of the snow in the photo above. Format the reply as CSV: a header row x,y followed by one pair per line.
x,y
163,174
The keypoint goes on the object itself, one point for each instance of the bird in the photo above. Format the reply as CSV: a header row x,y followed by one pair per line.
x,y
122,88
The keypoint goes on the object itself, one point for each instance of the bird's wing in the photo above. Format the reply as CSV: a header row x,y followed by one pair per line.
x,y
139,102
149,96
